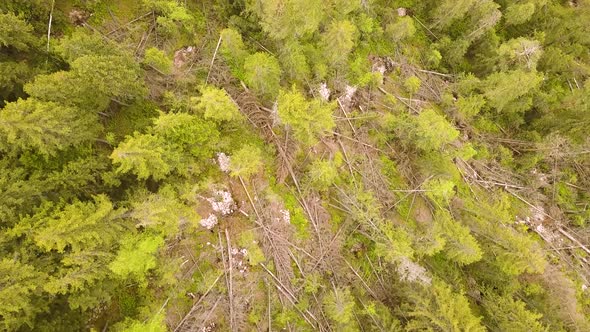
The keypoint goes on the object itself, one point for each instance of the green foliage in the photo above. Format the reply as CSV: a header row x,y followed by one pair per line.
x,y
18,284
173,17
511,315
216,105
338,41
403,28
155,324
77,226
520,52
428,131
289,18
439,308
81,43
263,74
136,256
504,90
233,50
16,33
255,255
468,107
440,191
91,83
44,126
460,246
519,13
162,212
339,306
159,60
412,84
322,174
246,162
174,143
145,156
309,120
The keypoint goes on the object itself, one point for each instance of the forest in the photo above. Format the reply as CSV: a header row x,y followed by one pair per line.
x,y
294,165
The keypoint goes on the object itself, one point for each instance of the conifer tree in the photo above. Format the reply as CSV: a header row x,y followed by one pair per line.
x,y
44,126
308,119
439,308
262,73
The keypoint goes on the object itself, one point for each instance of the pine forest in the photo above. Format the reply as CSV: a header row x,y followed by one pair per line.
x,y
295,165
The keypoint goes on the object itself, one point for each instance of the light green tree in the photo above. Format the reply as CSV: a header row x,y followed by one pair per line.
x,y
460,246
216,105
338,41
520,53
233,50
339,306
263,74
44,126
322,174
159,60
14,32
284,19
309,120
145,155
519,13
246,162
136,256
439,308
403,28
503,88
76,226
91,83
19,283
511,315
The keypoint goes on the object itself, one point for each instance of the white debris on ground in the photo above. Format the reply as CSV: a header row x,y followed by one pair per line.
x,y
346,100
274,114
209,222
182,56
324,91
401,11
410,271
238,256
286,216
223,162
222,202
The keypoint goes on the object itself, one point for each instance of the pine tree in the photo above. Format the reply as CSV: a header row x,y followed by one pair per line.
x,y
145,155
519,13
159,60
246,162
288,19
503,87
15,32
511,315
339,306
308,119
439,308
45,127
262,73
216,105
136,256
77,226
338,41
19,283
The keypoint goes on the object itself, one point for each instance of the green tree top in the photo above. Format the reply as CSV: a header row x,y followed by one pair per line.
x,y
44,126
246,161
283,19
262,73
216,105
308,119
